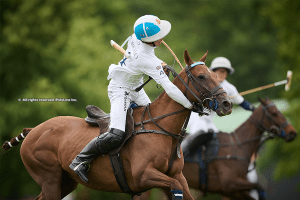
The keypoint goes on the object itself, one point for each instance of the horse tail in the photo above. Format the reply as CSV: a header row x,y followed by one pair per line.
x,y
16,140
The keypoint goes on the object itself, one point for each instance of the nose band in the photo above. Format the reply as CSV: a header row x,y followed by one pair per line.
x,y
282,134
213,104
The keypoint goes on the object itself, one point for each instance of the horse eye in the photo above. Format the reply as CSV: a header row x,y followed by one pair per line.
x,y
274,114
201,77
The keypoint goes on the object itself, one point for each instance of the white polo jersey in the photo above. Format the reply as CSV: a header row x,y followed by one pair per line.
x,y
130,71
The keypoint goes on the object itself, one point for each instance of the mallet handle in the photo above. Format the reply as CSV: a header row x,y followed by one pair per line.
x,y
116,46
257,89
261,88
287,83
172,53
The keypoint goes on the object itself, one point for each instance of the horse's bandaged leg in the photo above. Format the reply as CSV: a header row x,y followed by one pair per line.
x,y
177,194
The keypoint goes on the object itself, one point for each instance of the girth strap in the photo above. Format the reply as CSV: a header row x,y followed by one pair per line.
x,y
118,169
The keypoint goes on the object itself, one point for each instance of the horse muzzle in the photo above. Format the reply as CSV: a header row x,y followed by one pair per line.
x,y
225,105
289,134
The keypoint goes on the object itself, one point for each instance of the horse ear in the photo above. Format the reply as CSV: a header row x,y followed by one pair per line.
x,y
187,59
262,101
204,57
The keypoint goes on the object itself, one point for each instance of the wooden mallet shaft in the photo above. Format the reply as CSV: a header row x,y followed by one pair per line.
x,y
287,83
172,53
116,46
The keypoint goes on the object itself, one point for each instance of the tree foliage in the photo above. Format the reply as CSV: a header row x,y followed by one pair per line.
x,y
60,49
285,18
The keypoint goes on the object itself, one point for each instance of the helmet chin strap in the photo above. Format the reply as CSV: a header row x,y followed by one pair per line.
x,y
150,43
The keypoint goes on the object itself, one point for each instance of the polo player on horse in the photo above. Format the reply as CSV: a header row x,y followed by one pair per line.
x,y
149,32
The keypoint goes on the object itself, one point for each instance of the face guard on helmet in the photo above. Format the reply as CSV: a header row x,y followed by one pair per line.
x,y
221,62
150,28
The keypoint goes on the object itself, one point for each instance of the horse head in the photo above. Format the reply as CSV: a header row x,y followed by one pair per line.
x,y
274,121
203,86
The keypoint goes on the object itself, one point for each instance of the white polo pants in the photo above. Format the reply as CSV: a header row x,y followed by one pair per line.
x,y
120,99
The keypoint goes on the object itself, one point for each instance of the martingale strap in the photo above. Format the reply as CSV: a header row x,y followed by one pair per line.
x,y
177,150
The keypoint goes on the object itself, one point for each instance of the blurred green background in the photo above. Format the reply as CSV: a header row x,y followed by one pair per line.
x,y
60,49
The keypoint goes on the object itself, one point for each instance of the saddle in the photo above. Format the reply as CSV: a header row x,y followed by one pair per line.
x,y
197,140
206,143
97,117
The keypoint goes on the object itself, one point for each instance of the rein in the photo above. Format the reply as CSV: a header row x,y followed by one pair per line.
x,y
163,131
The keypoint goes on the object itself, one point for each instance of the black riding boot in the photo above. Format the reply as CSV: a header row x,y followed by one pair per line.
x,y
80,164
99,145
110,140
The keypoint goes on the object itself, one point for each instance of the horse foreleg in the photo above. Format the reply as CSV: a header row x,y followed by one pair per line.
x,y
50,190
169,194
184,184
153,178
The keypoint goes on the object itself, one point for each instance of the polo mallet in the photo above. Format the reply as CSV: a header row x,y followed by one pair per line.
x,y
287,83
116,46
172,53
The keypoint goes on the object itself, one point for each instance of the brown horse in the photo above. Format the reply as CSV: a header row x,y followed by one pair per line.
x,y
49,148
227,173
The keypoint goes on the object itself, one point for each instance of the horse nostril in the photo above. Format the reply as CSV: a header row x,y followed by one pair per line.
x,y
226,104
292,135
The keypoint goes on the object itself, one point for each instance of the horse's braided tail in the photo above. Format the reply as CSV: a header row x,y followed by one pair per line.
x,y
16,140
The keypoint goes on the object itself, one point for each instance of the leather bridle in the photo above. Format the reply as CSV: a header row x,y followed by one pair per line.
x,y
278,128
208,95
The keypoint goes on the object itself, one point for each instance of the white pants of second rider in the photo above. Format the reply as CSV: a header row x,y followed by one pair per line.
x,y
200,125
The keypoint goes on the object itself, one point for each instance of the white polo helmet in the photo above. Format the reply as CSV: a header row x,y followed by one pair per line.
x,y
221,62
150,28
